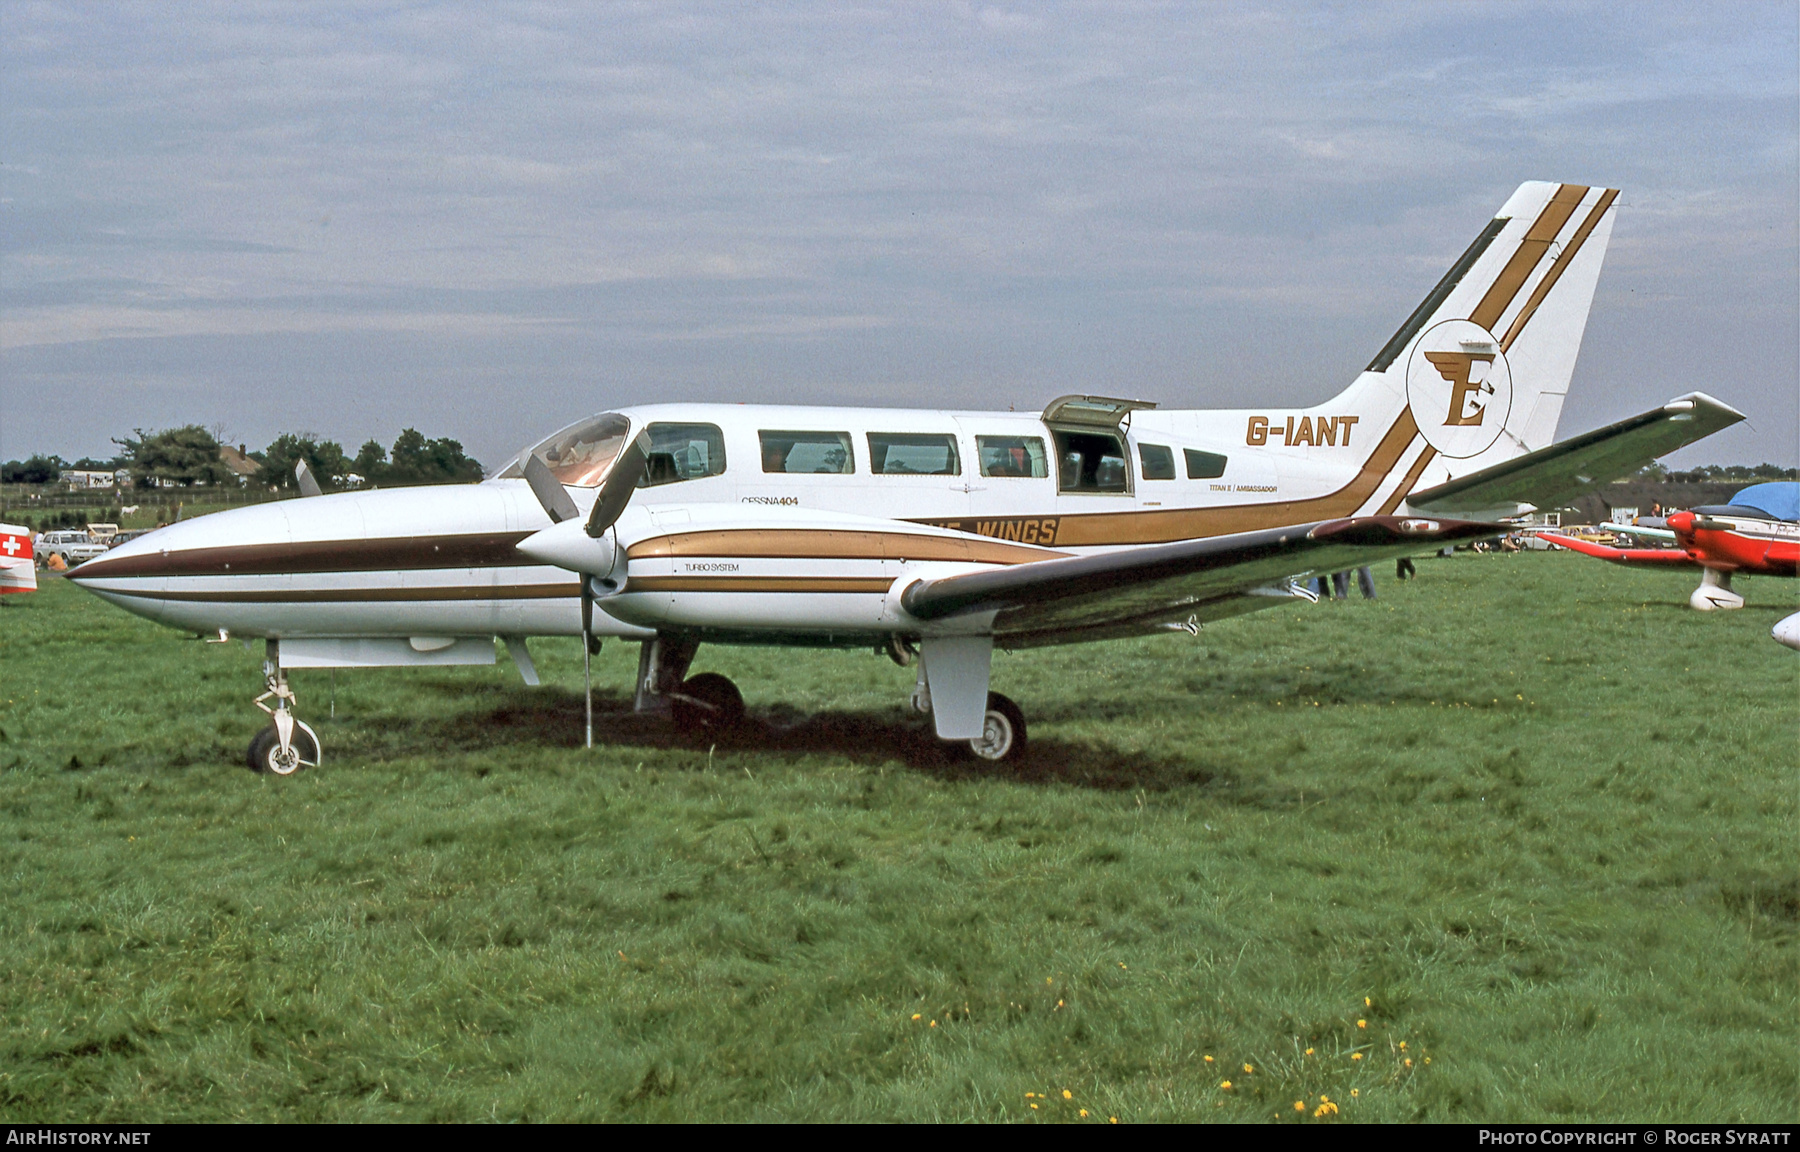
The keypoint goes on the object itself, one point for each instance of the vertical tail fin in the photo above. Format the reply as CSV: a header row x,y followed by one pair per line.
x,y
1484,362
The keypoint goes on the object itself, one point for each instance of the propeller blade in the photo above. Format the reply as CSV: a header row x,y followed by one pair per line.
x,y
620,483
304,477
549,490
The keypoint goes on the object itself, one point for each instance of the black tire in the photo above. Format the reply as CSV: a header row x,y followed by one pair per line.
x,y
1004,738
264,754
708,702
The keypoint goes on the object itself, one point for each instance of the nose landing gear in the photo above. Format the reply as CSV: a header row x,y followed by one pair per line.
x,y
288,744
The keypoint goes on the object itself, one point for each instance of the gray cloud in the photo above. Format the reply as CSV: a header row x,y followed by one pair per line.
x,y
489,219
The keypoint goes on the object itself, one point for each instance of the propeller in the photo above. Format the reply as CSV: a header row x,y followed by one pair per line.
x,y
584,549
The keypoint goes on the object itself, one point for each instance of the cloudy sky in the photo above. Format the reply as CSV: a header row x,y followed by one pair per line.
x,y
486,220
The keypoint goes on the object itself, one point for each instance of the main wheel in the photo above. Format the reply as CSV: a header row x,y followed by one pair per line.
x,y
265,753
709,702
1002,731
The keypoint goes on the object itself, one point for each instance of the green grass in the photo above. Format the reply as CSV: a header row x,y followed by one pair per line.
x,y
1530,815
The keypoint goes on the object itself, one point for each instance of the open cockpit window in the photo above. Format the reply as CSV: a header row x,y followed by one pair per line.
x,y
1091,462
682,452
580,454
913,454
807,452
1020,456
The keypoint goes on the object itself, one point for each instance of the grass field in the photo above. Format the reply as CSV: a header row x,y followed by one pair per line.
x,y
1515,842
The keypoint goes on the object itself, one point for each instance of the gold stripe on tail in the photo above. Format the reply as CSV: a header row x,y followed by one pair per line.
x,y
1406,485
1531,250
1556,269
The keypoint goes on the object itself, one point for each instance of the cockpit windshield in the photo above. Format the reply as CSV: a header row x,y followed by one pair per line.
x,y
580,454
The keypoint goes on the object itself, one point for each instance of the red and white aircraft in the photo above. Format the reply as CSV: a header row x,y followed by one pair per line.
x,y
931,536
1758,533
18,570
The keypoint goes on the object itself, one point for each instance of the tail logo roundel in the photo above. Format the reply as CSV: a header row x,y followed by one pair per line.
x,y
1459,387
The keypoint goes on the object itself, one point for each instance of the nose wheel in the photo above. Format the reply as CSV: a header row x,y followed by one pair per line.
x,y
288,744
267,755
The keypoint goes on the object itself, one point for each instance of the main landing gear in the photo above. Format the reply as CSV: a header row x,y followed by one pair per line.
x,y
708,703
288,744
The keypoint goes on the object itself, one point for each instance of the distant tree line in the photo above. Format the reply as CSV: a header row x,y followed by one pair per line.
x,y
190,455
1719,474
412,460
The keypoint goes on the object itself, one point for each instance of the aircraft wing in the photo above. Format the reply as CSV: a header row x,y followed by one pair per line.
x,y
1138,590
1619,555
1553,477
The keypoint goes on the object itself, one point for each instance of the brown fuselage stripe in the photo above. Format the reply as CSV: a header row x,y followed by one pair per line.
x,y
829,544
359,595
1556,270
876,584
1406,485
1531,250
387,554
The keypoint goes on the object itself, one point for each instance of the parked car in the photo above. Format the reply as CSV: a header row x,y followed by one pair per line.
x,y
73,547
127,536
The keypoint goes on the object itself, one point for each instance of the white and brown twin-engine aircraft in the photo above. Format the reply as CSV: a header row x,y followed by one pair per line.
x,y
929,535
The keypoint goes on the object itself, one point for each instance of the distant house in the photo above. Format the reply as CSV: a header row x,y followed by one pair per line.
x,y
79,479
238,460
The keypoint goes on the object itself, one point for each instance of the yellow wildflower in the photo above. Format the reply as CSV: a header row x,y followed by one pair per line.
x,y
1409,1062
1084,1113
1068,1095
1034,1107
1299,1105
1029,1095
1309,1051
1247,1068
1355,1092
1113,1119
934,1023
1367,1003
1402,1045
1356,1055
1362,1023
1427,1059
917,1016
1208,1059
1225,1084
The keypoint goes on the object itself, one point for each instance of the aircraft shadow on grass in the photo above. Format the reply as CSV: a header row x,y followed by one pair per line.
x,y
554,719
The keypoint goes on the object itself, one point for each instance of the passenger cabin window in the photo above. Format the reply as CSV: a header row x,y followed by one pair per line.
x,y
909,454
795,452
1204,465
1012,456
1158,461
682,452
1090,462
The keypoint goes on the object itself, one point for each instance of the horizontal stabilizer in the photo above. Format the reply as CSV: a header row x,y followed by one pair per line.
x,y
1553,477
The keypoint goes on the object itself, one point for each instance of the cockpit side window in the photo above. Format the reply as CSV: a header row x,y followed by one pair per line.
x,y
1091,462
793,452
682,452
580,454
